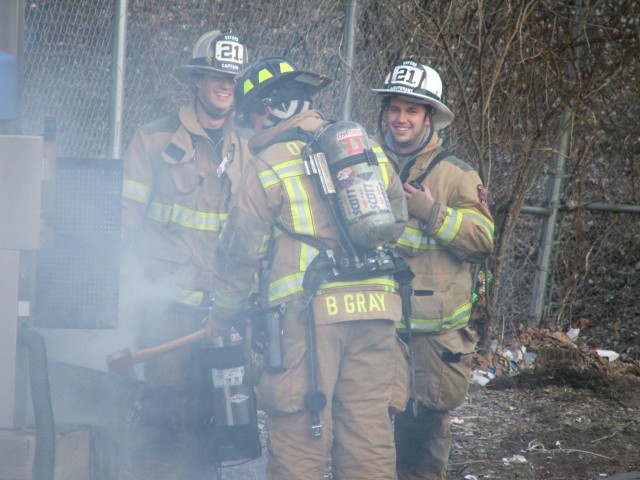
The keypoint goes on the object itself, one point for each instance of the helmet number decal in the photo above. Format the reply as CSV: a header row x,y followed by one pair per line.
x,y
352,139
354,145
229,51
407,75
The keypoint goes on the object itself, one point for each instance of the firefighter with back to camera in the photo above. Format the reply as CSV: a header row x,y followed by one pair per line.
x,y
326,278
450,228
179,174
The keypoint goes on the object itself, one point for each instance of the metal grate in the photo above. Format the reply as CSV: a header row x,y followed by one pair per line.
x,y
77,280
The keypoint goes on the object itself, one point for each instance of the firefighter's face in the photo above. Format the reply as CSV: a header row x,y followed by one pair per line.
x,y
408,122
216,93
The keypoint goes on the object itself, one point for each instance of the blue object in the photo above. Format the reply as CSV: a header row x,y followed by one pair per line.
x,y
8,87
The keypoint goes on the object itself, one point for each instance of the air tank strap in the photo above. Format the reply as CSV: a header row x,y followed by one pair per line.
x,y
288,135
404,175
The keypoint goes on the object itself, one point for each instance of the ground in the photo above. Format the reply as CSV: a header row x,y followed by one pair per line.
x,y
559,412
561,425
548,427
567,415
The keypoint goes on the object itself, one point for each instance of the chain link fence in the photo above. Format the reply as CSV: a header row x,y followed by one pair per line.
x,y
503,69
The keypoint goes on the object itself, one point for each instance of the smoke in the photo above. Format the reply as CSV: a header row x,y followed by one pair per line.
x,y
140,298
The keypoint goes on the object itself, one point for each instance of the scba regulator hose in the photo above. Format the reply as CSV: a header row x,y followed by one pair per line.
x,y
45,455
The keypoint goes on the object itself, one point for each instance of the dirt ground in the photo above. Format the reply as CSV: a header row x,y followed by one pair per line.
x,y
559,426
561,411
568,415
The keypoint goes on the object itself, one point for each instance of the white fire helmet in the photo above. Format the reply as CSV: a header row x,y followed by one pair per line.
x,y
417,83
215,53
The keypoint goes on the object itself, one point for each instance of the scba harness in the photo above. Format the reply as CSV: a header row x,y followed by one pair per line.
x,y
348,177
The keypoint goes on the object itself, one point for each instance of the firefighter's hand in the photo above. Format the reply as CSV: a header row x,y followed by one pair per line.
x,y
410,190
419,202
216,326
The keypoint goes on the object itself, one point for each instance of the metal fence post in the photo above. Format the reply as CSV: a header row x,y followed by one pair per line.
x,y
351,20
118,78
554,192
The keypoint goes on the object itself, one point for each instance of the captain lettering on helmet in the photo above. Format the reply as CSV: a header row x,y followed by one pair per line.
x,y
450,228
329,390
179,174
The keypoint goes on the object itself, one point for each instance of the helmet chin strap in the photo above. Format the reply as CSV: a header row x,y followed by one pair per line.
x,y
211,112
425,141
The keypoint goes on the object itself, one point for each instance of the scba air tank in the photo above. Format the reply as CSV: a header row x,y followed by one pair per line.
x,y
359,185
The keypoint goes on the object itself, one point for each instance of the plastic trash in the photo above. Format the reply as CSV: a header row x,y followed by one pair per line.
x,y
514,459
608,354
573,333
481,377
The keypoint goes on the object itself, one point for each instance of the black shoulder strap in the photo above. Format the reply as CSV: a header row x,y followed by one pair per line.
x,y
440,156
303,238
288,135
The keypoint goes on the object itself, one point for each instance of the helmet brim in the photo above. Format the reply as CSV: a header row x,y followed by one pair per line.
x,y
184,73
309,81
313,82
444,116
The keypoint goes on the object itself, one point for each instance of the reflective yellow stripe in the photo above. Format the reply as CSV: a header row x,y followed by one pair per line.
x,y
386,282
264,75
478,219
291,174
292,284
247,86
288,169
268,178
265,244
192,298
208,221
291,168
285,286
224,300
300,206
450,227
414,238
459,317
382,159
136,191
302,222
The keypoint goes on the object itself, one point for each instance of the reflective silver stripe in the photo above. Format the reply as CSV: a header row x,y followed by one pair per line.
x,y
209,221
480,220
382,159
285,286
136,191
302,219
224,300
192,298
459,317
292,168
450,226
417,239
268,178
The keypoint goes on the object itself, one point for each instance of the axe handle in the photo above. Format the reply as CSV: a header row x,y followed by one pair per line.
x,y
146,353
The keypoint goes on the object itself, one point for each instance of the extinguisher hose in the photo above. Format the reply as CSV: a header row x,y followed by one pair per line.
x,y
45,454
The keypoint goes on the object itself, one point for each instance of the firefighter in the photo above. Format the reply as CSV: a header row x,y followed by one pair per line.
x,y
280,218
179,174
450,229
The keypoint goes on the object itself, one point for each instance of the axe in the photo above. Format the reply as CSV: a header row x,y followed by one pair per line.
x,y
123,361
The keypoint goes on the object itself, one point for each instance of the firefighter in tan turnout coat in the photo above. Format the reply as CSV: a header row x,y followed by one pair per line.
x,y
179,173
450,228
279,218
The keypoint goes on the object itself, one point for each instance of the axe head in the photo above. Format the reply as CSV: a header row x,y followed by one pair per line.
x,y
121,363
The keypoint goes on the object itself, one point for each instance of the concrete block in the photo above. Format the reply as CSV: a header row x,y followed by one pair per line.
x,y
18,448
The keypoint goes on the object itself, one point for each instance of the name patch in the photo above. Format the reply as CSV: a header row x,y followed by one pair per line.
x,y
355,303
